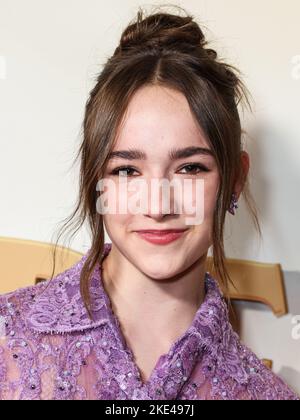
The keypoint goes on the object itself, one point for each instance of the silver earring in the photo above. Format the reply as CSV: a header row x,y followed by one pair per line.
x,y
233,204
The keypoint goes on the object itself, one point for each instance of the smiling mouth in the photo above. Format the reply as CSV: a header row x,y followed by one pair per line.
x,y
161,232
161,237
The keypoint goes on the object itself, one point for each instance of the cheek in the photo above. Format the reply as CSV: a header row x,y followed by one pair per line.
x,y
114,205
116,224
204,231
204,196
116,196
210,196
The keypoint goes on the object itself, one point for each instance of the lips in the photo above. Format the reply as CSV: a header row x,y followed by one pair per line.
x,y
161,232
161,237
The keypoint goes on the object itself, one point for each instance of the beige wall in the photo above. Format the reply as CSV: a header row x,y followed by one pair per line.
x,y
50,52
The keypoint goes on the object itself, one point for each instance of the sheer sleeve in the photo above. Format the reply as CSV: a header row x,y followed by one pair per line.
x,y
46,370
268,386
9,373
42,366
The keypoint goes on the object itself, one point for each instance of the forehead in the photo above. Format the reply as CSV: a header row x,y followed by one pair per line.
x,y
159,117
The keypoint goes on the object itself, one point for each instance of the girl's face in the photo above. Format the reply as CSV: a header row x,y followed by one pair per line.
x,y
158,121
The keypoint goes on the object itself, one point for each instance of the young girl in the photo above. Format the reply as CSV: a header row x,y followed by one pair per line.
x,y
140,318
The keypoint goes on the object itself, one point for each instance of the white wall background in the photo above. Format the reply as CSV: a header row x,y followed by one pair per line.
x,y
50,54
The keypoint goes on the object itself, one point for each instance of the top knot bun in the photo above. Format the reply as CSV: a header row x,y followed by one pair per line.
x,y
164,30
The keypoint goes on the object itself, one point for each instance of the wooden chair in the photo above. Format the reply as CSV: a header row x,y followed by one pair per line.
x,y
256,282
26,262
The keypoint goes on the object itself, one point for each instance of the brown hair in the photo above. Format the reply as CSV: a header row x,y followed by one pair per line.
x,y
167,50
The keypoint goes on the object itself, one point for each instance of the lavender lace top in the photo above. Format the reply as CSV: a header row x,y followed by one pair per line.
x,y
51,350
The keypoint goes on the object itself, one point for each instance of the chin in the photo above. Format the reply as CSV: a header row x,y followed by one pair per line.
x,y
160,270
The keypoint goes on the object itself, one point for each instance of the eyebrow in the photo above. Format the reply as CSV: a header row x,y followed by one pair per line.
x,y
174,154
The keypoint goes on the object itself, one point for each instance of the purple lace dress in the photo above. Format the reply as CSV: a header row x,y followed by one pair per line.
x,y
51,350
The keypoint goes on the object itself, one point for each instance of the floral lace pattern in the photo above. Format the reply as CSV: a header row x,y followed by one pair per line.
x,y
52,350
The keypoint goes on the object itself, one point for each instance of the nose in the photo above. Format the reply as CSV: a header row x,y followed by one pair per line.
x,y
160,202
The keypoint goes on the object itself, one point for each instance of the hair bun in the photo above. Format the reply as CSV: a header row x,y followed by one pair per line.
x,y
163,30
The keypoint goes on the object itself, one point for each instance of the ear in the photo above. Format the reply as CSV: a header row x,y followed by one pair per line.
x,y
239,185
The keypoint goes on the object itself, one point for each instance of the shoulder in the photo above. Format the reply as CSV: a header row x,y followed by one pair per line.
x,y
16,306
25,344
55,306
263,383
13,309
244,375
235,372
20,344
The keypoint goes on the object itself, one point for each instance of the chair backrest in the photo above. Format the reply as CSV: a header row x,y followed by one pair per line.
x,y
26,262
256,282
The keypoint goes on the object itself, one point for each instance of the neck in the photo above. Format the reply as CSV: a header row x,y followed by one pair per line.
x,y
164,308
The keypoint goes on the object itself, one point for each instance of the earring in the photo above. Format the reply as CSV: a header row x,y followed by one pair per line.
x,y
233,204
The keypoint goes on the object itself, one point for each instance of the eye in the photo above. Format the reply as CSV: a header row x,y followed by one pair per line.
x,y
191,168
195,166
116,171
